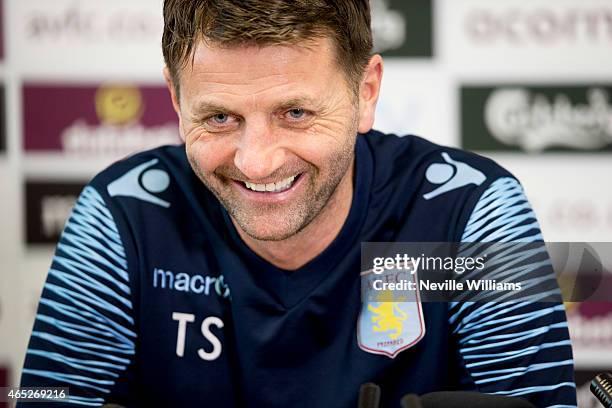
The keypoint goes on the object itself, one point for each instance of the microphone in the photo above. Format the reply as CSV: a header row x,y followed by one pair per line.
x,y
462,399
369,396
601,387
411,401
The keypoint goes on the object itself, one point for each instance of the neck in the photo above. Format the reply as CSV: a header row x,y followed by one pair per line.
x,y
297,250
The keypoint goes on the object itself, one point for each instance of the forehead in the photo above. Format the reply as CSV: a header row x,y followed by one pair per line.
x,y
253,69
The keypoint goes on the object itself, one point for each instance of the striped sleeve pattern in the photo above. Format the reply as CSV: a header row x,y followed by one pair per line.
x,y
83,336
519,348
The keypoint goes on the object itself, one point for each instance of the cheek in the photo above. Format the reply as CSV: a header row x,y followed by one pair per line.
x,y
330,137
210,154
324,151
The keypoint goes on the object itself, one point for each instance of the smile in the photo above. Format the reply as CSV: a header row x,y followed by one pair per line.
x,y
278,187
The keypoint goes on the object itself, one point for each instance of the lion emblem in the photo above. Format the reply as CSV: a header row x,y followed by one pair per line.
x,y
386,319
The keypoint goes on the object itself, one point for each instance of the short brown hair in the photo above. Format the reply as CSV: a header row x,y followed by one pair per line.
x,y
230,23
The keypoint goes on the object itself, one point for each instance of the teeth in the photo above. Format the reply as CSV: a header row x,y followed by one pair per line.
x,y
271,187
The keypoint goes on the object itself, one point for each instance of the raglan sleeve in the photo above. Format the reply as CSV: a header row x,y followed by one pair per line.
x,y
519,348
84,334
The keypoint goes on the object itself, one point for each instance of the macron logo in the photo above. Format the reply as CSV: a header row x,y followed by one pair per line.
x,y
451,175
183,282
140,183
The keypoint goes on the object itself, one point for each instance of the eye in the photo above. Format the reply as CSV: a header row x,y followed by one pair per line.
x,y
220,118
296,113
218,122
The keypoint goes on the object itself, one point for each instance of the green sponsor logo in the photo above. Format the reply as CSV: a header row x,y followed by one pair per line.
x,y
402,28
536,118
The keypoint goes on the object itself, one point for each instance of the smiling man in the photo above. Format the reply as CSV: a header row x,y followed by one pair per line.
x,y
270,130
226,271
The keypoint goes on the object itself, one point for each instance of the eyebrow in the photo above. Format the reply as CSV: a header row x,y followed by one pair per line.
x,y
297,102
206,106
300,101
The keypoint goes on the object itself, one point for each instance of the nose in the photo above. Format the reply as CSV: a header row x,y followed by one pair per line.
x,y
259,153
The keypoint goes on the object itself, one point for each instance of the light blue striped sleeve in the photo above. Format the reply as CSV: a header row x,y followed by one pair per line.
x,y
83,336
521,348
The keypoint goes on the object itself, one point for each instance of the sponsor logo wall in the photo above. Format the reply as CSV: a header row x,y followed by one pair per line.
x,y
529,39
542,107
528,84
48,206
410,104
534,93
110,119
113,37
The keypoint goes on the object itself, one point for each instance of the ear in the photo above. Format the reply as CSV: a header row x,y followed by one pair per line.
x,y
174,97
368,93
172,89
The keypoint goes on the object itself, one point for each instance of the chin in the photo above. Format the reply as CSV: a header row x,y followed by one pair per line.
x,y
270,234
264,229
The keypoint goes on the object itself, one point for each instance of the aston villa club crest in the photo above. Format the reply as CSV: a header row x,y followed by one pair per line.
x,y
390,321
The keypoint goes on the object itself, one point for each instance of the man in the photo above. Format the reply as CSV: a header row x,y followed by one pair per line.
x,y
226,272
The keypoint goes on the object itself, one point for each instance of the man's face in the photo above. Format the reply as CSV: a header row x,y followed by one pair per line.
x,y
270,131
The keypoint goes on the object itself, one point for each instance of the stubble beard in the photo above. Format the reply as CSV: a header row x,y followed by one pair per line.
x,y
291,218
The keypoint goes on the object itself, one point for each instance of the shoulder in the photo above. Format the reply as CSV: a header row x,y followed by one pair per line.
x,y
156,202
416,157
422,179
146,167
156,178
155,191
431,171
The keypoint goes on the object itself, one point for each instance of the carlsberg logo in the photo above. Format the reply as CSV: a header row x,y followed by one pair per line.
x,y
533,121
